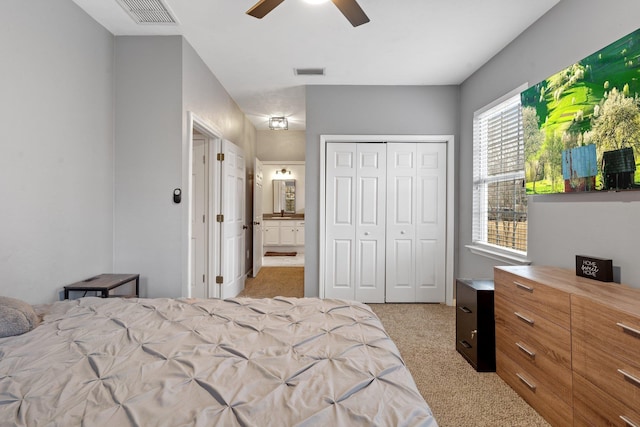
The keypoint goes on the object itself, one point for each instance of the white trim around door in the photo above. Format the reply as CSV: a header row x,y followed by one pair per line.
x,y
215,136
450,197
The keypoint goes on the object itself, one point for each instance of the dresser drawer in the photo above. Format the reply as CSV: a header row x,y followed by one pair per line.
x,y
540,335
606,350
544,370
601,326
544,400
619,379
549,302
594,407
467,331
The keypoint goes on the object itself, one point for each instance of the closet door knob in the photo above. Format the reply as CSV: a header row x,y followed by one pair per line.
x,y
366,233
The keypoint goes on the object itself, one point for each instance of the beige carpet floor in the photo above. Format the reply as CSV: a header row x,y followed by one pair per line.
x,y
425,335
275,281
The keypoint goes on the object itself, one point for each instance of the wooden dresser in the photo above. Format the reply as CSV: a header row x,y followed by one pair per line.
x,y
569,346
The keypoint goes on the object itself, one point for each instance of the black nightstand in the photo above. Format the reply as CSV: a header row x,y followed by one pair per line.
x,y
475,324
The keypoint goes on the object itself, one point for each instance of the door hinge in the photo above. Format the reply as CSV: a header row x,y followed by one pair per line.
x,y
204,160
203,220
203,278
219,279
219,218
220,157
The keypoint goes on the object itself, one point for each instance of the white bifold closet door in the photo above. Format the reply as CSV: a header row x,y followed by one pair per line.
x,y
355,218
416,222
385,222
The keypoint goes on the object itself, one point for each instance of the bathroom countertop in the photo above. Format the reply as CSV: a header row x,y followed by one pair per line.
x,y
286,216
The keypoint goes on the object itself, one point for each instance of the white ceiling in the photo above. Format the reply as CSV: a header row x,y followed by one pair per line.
x,y
407,42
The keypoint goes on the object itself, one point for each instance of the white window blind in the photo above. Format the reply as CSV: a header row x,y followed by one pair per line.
x,y
499,195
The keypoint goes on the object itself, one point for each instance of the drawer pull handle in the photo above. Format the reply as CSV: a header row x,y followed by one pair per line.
x,y
629,329
526,382
526,319
630,378
523,286
529,353
464,309
465,344
628,421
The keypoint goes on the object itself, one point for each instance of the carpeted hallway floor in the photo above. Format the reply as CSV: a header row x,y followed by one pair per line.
x,y
275,281
425,335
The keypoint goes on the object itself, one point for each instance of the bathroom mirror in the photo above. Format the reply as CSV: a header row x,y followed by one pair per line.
x,y
284,196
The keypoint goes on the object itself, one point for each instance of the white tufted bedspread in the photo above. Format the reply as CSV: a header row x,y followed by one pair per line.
x,y
178,362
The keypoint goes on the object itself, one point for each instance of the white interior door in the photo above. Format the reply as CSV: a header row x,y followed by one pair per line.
x,y
370,222
416,222
233,210
355,222
431,222
258,244
401,229
340,220
199,219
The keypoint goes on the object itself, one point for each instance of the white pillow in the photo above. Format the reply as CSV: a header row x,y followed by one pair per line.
x,y
16,317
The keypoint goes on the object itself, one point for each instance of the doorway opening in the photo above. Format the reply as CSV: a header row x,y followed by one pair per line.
x,y
279,201
201,248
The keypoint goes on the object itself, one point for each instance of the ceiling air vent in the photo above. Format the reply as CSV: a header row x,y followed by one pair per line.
x,y
308,71
148,11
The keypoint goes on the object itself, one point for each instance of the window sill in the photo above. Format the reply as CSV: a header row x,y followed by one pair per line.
x,y
512,259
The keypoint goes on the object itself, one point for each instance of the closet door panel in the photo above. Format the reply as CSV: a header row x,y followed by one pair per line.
x,y
401,192
368,279
342,279
370,226
402,203
340,221
431,222
426,268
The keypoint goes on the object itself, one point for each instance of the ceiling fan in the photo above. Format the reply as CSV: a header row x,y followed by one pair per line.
x,y
349,8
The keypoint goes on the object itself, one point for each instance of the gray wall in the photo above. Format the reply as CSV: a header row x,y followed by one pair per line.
x,y
56,148
204,95
93,140
362,110
282,146
148,161
158,80
560,226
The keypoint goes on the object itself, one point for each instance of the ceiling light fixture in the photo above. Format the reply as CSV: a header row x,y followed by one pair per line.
x,y
278,123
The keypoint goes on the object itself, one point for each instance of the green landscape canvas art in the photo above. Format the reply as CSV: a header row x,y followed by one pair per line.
x,y
582,125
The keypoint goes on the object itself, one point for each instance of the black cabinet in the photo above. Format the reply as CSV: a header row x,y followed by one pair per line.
x,y
475,324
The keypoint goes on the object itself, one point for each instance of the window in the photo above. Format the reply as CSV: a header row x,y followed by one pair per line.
x,y
499,194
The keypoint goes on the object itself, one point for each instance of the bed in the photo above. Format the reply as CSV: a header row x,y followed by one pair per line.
x,y
235,362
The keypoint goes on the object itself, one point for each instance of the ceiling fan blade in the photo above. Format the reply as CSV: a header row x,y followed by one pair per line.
x,y
352,11
260,9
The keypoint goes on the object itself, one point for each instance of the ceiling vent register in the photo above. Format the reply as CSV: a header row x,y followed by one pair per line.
x,y
308,71
148,11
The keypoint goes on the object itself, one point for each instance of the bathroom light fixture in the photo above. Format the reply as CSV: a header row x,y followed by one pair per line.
x,y
278,123
283,171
